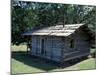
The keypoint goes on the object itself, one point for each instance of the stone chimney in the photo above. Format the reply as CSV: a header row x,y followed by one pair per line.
x,y
64,21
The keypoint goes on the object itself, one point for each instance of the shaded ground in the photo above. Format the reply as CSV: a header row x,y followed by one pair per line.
x,y
24,63
33,61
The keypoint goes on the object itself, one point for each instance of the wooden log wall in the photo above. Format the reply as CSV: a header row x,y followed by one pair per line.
x,y
53,47
81,46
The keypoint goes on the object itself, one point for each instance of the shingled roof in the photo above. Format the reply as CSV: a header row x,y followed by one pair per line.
x,y
57,30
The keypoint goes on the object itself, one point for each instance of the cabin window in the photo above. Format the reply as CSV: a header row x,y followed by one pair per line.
x,y
71,43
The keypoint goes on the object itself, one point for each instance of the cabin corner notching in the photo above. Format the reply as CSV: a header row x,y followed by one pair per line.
x,y
60,43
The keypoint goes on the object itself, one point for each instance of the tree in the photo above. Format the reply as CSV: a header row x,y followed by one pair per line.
x,y
27,16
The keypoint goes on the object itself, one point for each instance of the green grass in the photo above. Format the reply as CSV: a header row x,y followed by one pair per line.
x,y
87,64
93,50
20,67
23,63
19,48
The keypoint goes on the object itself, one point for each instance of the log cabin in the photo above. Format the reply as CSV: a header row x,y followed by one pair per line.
x,y
60,43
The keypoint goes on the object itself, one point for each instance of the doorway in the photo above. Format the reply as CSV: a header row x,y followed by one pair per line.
x,y
42,47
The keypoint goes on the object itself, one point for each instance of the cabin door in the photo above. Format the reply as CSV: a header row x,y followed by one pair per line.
x,y
42,46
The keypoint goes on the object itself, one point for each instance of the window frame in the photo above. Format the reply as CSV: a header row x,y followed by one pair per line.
x,y
72,43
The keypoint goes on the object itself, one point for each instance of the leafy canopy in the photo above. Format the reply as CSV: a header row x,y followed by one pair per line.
x,y
27,16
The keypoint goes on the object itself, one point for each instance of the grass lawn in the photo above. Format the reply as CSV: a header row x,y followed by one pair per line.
x,y
23,63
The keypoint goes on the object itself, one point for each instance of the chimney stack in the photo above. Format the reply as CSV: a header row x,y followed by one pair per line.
x,y
64,21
